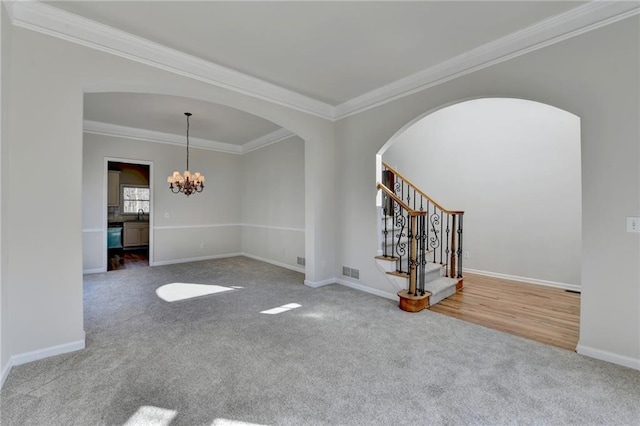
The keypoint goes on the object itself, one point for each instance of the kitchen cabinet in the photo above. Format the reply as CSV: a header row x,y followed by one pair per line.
x,y
135,234
113,189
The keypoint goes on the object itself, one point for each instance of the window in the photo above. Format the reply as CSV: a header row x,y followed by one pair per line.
x,y
134,198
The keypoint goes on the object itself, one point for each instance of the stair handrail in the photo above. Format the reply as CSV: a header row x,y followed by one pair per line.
x,y
418,190
396,199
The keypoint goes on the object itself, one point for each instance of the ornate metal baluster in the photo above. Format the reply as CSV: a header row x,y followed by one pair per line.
x,y
434,242
441,233
454,252
385,232
427,230
400,222
414,199
423,255
460,247
446,239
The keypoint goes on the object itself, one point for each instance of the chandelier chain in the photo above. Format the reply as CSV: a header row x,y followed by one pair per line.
x,y
188,116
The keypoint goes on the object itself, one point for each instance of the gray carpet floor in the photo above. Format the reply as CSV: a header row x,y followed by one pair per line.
x,y
342,358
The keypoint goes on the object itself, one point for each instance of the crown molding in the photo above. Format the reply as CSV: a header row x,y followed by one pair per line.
x,y
107,129
266,140
52,21
37,16
577,21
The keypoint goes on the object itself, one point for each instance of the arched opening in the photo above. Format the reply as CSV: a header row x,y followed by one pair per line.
x,y
514,167
254,198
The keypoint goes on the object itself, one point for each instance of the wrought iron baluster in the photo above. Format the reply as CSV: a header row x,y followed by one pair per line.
x,y
411,256
400,222
435,240
385,232
427,238
423,260
446,239
454,252
441,233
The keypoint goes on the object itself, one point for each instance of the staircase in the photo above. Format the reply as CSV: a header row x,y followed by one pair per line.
x,y
421,243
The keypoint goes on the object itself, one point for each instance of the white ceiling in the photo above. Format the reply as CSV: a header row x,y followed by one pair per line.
x,y
162,113
333,53
329,51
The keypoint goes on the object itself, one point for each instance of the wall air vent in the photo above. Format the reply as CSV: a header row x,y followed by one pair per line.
x,y
302,261
351,272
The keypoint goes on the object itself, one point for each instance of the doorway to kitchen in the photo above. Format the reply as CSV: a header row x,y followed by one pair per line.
x,y
128,212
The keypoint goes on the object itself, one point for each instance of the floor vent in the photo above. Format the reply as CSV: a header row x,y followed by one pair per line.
x,y
302,261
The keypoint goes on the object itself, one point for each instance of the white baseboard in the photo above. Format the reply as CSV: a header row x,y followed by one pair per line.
x,y
26,357
527,280
5,373
316,284
194,259
625,361
94,271
369,290
273,262
47,352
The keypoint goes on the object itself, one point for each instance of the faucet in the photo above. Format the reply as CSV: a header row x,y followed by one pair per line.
x,y
140,213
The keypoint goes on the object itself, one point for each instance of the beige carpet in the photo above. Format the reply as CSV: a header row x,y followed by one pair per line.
x,y
340,357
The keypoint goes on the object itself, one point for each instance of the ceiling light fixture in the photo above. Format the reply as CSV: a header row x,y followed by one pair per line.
x,y
187,184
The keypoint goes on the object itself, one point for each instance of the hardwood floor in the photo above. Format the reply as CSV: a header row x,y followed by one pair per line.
x,y
136,258
544,314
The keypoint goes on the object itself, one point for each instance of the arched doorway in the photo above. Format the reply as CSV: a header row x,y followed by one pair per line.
x,y
514,167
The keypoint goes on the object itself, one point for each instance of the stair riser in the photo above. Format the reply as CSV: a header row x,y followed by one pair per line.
x,y
433,275
430,275
435,298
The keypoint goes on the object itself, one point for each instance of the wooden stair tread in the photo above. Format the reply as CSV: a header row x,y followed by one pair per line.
x,y
398,274
440,284
388,258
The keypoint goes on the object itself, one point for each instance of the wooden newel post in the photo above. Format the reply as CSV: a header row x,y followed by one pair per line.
x,y
452,261
410,301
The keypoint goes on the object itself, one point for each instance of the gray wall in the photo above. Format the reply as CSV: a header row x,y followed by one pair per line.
x,y
49,79
5,39
209,218
514,167
273,203
252,203
594,76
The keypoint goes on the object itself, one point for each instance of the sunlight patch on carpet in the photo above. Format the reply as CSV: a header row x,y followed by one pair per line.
x,y
148,415
182,291
281,309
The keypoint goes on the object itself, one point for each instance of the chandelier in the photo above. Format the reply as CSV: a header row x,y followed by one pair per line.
x,y
187,184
